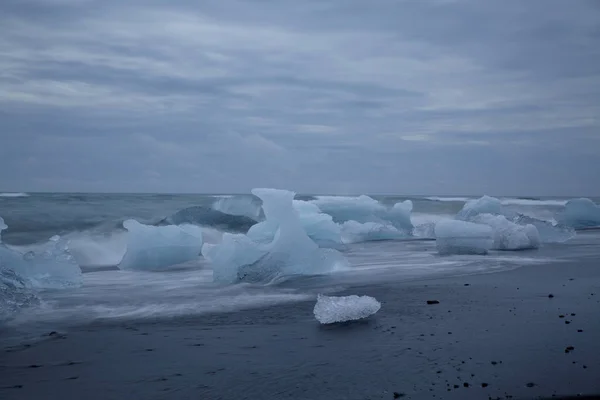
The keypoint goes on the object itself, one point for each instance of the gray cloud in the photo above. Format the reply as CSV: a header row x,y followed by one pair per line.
x,y
431,97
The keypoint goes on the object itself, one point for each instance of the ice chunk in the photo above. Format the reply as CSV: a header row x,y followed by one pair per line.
x,y
366,209
460,237
483,205
242,205
46,266
355,232
329,309
508,235
261,256
549,233
318,226
158,247
14,294
580,214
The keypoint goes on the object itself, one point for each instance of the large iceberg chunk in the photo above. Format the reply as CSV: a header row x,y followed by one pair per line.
x,y
262,256
329,309
548,232
508,235
460,237
366,209
158,247
483,205
580,214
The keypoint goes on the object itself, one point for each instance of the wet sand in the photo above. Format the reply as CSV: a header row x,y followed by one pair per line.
x,y
498,336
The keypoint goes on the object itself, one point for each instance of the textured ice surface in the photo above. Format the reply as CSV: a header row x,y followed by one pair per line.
x,y
329,310
366,209
158,247
317,225
262,255
508,235
580,214
14,294
549,233
483,205
460,237
355,232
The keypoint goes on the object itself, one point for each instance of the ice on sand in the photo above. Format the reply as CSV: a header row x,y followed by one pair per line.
x,y
157,247
330,309
278,246
460,237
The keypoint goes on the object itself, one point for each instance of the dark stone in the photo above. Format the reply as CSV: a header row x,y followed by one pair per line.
x,y
561,316
72,378
34,366
579,330
456,386
484,385
569,349
494,363
573,314
467,284
430,302
466,384
550,296
567,322
398,395
530,385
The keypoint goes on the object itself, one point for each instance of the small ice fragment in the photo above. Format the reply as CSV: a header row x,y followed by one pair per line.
x,y
329,310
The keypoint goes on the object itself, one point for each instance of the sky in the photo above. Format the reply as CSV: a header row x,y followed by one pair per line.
x,y
498,97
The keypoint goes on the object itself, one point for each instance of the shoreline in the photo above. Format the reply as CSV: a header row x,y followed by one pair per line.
x,y
491,336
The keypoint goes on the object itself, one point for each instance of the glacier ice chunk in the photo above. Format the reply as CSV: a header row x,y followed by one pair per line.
x,y
549,233
483,205
157,247
330,309
580,214
319,226
460,237
366,209
278,246
508,235
355,232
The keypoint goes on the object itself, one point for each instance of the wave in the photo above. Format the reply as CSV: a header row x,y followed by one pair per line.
x,y
209,217
11,194
532,202
449,199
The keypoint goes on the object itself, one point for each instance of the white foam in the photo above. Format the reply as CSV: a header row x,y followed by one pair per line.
x,y
9,194
330,309
530,202
448,199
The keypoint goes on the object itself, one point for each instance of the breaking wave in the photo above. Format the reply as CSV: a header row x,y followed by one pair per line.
x,y
10,194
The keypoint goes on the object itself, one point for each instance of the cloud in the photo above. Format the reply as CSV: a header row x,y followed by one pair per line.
x,y
388,96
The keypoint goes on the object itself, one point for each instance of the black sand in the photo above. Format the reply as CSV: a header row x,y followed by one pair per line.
x,y
491,336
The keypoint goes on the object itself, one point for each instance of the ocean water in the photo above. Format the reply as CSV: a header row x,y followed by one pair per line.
x,y
91,227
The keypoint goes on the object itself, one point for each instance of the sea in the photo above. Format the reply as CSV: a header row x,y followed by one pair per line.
x,y
74,257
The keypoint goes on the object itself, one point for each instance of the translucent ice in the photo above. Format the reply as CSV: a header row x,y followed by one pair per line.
x,y
318,226
580,214
549,232
460,237
262,256
366,209
329,310
483,205
355,232
158,247
508,235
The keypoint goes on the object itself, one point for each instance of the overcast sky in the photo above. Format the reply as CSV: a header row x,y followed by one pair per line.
x,y
318,96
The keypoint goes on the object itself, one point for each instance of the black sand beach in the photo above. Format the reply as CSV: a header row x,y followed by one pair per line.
x,y
521,334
